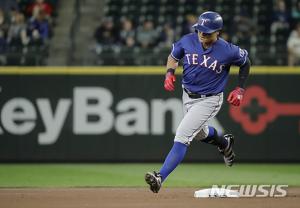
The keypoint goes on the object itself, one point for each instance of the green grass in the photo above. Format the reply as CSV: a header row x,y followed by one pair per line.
x,y
132,175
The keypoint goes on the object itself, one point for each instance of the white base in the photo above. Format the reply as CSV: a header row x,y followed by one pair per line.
x,y
216,192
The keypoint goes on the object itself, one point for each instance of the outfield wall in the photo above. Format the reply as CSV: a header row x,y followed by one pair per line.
x,y
120,114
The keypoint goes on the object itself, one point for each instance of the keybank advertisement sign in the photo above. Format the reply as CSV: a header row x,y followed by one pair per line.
x,y
93,114
116,118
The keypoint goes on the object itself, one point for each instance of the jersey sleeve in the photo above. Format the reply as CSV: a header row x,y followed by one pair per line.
x,y
177,51
239,56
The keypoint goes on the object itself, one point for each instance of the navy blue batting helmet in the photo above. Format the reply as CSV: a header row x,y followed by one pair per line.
x,y
209,22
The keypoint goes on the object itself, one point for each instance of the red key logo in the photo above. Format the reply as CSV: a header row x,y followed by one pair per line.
x,y
266,110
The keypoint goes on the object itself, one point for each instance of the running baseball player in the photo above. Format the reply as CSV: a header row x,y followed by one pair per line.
x,y
206,63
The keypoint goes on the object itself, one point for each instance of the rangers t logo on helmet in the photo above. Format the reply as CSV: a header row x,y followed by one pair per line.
x,y
209,22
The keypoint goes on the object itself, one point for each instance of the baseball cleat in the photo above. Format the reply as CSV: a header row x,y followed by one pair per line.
x,y
228,153
154,180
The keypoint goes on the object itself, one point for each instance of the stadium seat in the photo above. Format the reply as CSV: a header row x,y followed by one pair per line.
x,y
174,12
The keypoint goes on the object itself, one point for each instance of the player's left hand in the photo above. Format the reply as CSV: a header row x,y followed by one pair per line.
x,y
236,96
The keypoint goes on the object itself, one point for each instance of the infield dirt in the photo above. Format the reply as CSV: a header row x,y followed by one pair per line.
x,y
132,198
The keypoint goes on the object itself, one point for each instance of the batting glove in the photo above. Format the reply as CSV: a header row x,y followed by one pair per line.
x,y
236,96
169,82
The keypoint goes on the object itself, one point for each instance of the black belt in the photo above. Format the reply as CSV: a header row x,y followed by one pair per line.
x,y
195,95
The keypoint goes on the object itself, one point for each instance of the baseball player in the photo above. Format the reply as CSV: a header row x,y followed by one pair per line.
x,y
206,63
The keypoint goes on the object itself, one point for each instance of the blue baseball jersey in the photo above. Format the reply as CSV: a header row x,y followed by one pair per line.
x,y
206,71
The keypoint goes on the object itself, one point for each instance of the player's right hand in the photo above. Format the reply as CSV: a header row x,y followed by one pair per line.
x,y
169,82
